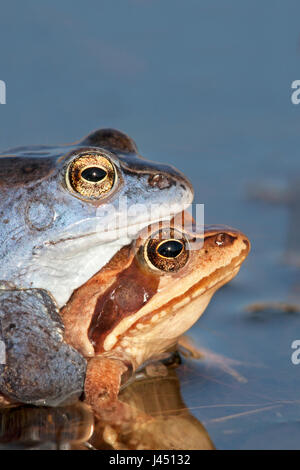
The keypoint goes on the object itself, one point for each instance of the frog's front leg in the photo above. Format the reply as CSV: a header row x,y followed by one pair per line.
x,y
102,385
38,366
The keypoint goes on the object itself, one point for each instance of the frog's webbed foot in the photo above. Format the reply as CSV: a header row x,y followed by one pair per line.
x,y
37,366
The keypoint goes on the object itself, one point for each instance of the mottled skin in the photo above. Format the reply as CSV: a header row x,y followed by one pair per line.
x,y
39,367
131,312
56,239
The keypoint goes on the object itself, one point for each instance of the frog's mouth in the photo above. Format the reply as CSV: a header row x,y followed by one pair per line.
x,y
127,231
159,331
130,329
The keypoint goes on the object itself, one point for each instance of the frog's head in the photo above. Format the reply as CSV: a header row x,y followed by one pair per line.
x,y
64,211
153,290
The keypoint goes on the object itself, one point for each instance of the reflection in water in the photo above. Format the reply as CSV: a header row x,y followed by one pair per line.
x,y
45,428
155,417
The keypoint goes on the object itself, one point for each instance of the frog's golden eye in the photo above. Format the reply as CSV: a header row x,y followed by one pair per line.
x,y
167,252
91,175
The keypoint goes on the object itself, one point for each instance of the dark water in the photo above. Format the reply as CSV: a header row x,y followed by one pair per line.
x,y
205,86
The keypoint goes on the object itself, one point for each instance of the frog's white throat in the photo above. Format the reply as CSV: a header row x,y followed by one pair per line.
x,y
61,270
65,265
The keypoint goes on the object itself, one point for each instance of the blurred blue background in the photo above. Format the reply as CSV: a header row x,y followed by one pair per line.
x,y
206,86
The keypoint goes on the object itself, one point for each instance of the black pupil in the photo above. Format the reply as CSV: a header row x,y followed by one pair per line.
x,y
170,249
93,174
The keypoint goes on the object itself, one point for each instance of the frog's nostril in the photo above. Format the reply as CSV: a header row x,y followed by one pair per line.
x,y
160,181
247,243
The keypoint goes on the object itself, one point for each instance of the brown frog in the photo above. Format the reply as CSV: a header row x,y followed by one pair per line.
x,y
150,293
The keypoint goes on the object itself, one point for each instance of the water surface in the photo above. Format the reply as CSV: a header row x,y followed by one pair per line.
x,y
205,86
